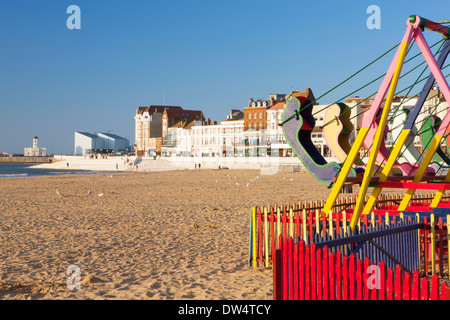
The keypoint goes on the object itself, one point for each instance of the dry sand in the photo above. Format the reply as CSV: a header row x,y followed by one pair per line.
x,y
155,235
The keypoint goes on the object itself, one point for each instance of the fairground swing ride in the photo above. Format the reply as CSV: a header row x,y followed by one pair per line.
x,y
401,165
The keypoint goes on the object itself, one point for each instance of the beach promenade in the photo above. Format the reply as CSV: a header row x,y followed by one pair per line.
x,y
117,163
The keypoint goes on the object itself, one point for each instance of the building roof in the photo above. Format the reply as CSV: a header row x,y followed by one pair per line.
x,y
258,104
184,114
87,134
278,106
156,108
190,124
234,115
308,94
235,118
112,135
141,110
179,124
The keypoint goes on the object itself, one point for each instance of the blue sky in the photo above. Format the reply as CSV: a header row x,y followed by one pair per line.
x,y
209,55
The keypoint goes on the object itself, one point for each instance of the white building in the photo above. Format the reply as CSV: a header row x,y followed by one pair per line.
x,y
220,140
207,140
274,133
233,137
227,139
88,143
113,142
148,125
35,151
183,145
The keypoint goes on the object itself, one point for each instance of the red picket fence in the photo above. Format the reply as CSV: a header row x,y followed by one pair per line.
x,y
267,224
302,272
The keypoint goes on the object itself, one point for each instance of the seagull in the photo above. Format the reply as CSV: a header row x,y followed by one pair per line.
x,y
89,192
237,183
248,184
59,192
100,194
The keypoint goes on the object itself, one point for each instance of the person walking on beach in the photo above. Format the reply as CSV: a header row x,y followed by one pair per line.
x,y
117,166
199,165
195,166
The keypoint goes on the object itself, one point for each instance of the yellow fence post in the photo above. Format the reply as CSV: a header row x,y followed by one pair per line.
x,y
291,223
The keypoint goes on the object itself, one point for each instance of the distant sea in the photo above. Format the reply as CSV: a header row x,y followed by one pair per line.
x,y
25,170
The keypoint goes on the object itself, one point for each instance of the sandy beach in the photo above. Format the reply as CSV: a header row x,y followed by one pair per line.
x,y
154,235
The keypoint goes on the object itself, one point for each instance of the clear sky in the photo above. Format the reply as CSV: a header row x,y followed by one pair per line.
x,y
206,55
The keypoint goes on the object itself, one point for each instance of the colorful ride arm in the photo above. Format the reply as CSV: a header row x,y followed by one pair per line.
x,y
337,131
367,121
435,143
297,131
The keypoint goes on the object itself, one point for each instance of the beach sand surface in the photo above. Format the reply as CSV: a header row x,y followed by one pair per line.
x,y
155,235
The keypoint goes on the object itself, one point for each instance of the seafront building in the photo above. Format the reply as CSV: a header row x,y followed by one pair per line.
x,y
245,133
155,126
254,131
276,142
100,142
35,151
219,139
